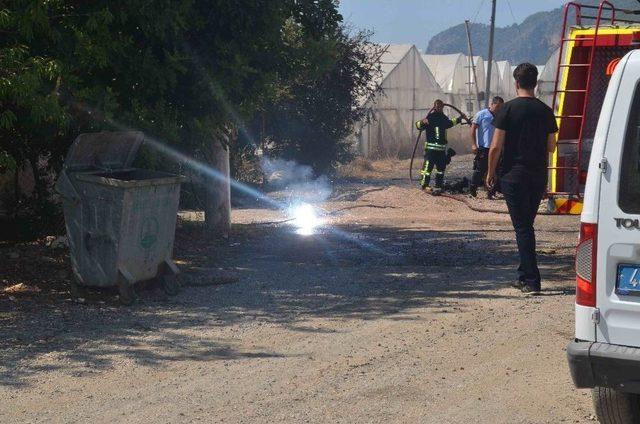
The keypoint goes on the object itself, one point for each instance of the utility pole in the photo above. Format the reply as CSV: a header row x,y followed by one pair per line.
x,y
487,92
472,67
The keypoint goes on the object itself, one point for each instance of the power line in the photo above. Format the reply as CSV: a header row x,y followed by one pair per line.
x,y
478,11
515,21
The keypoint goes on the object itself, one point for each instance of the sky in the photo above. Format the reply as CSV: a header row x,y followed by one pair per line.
x,y
416,21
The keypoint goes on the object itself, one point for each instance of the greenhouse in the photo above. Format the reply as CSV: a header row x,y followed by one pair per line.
x,y
408,92
496,81
507,83
546,79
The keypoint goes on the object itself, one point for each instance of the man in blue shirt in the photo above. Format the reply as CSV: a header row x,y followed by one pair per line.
x,y
481,135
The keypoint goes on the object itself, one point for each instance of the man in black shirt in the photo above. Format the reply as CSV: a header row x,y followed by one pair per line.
x,y
436,124
524,136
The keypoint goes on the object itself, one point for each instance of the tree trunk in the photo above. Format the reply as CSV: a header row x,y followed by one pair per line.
x,y
217,208
16,192
39,185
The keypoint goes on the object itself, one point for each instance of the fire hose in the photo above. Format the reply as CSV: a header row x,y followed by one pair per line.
x,y
415,147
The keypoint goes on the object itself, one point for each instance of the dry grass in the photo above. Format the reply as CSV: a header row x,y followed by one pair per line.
x,y
363,169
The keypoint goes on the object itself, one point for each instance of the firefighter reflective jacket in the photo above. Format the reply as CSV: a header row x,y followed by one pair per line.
x,y
436,130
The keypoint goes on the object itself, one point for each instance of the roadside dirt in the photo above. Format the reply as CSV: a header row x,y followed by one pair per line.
x,y
398,310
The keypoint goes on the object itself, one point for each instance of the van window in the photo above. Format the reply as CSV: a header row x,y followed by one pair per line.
x,y
629,191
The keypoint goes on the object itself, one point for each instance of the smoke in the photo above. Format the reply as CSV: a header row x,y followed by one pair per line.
x,y
297,180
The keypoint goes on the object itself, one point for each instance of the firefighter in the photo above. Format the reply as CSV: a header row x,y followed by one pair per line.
x,y
436,124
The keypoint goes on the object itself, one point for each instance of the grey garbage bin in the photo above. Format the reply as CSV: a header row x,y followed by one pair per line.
x,y
120,220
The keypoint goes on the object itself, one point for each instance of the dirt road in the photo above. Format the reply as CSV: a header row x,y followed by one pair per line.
x,y
399,311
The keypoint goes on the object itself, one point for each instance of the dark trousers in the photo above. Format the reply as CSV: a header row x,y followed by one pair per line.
x,y
480,168
434,159
523,196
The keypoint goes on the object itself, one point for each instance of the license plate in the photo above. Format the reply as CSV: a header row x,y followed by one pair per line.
x,y
628,282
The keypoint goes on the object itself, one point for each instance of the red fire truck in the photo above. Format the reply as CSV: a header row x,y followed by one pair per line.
x,y
589,52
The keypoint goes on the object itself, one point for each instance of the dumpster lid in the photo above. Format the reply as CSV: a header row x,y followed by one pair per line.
x,y
103,150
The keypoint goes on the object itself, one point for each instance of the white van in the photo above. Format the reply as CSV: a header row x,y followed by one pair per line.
x,y
605,354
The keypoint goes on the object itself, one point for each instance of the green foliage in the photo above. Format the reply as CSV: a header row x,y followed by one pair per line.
x,y
187,72
7,163
325,72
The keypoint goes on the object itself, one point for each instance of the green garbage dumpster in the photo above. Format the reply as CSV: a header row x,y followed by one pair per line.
x,y
120,220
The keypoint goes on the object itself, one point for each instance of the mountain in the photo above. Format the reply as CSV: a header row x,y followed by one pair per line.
x,y
533,40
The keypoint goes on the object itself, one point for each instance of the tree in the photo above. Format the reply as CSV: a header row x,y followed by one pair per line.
x,y
182,71
326,74
186,72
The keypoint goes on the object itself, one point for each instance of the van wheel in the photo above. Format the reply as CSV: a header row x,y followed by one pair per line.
x,y
614,407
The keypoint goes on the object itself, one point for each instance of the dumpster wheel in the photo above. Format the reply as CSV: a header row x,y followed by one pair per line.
x,y
127,292
74,288
170,284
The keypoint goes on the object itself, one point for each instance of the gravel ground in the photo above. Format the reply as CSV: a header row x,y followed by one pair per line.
x,y
398,310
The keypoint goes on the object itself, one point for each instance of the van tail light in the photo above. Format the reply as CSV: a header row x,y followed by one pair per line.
x,y
586,265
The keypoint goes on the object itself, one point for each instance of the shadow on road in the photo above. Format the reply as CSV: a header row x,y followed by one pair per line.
x,y
282,279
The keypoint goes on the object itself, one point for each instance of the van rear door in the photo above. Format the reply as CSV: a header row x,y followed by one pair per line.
x,y
618,240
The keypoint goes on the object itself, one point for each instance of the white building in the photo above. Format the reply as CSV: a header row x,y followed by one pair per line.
x,y
507,83
456,77
449,71
408,92
546,79
461,86
410,82
481,72
496,80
